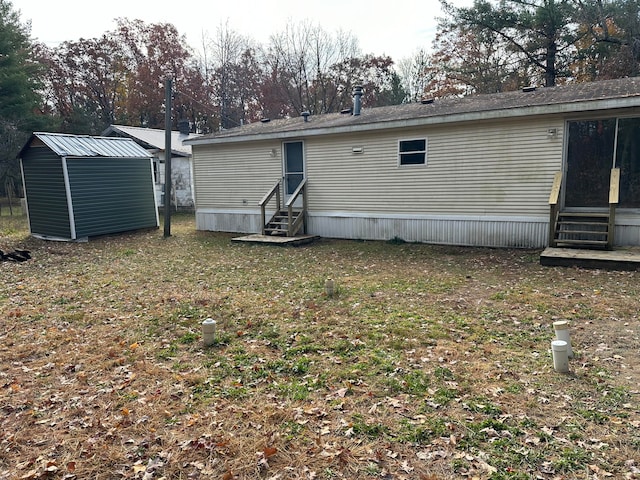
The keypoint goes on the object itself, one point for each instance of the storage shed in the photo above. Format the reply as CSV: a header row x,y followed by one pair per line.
x,y
81,186
153,141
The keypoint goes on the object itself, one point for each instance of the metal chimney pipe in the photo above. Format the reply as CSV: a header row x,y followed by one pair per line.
x,y
357,100
184,127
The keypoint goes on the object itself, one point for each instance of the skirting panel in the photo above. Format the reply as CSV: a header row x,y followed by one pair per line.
x,y
475,231
627,235
449,231
235,222
508,232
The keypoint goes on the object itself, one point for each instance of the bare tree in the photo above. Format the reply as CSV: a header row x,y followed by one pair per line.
x,y
416,73
300,59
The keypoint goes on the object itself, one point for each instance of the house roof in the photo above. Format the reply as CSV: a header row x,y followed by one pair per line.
x,y
153,138
571,98
66,145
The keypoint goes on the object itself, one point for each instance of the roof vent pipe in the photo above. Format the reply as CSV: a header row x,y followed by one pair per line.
x,y
184,127
305,115
357,100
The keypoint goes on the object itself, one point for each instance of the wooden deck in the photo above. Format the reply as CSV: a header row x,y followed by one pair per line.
x,y
617,259
276,240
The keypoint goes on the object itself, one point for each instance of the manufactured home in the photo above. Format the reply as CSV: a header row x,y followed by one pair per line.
x,y
77,186
541,166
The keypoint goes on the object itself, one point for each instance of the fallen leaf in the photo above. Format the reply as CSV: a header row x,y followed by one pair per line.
x,y
406,467
341,392
599,471
269,452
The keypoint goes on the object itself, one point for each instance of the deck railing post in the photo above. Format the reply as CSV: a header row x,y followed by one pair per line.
x,y
554,197
293,226
304,210
614,197
275,190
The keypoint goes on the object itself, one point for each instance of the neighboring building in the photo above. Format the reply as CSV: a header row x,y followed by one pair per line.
x,y
153,140
476,170
79,186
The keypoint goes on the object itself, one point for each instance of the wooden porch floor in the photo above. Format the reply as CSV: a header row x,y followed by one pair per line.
x,y
276,240
622,258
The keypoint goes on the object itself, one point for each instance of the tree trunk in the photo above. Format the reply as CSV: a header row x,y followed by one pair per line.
x,y
550,72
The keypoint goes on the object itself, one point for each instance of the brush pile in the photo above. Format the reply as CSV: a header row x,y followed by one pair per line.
x,y
15,256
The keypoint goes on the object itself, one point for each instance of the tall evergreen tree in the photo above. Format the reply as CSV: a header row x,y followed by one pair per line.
x,y
540,32
20,102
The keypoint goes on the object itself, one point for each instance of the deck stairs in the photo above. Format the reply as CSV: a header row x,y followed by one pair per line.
x,y
583,229
279,223
289,219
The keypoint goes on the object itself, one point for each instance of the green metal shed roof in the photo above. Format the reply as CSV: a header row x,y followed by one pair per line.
x,y
66,145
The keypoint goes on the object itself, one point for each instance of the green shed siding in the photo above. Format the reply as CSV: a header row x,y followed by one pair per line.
x,y
46,193
111,195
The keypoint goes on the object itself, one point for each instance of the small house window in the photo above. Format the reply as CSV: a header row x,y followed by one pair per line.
x,y
413,152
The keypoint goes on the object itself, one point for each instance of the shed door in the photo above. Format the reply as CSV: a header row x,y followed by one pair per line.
x,y
293,166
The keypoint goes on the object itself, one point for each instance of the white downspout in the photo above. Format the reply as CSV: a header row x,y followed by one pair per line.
x,y
67,187
26,201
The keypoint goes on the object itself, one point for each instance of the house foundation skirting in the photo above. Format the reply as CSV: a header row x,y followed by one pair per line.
x,y
519,232
481,231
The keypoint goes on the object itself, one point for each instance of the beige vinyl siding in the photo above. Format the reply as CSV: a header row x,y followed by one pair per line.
x,y
497,168
235,176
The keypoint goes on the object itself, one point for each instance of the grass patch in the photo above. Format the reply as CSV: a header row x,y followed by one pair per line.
x,y
433,361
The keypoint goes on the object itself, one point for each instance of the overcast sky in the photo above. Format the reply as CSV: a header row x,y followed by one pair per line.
x,y
397,28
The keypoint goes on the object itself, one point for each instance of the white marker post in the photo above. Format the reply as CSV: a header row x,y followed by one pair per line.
x,y
209,332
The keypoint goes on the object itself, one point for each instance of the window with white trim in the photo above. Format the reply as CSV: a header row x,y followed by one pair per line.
x,y
412,152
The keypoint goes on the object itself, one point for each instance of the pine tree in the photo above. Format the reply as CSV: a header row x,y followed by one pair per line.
x,y
20,102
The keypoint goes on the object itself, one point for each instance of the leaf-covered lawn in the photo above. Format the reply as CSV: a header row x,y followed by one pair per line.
x,y
429,362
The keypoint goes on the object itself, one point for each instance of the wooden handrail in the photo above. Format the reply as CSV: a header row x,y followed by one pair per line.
x,y
554,198
275,190
555,189
614,199
614,187
296,193
270,193
294,225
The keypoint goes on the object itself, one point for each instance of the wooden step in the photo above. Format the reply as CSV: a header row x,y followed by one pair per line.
x,y
583,232
581,242
575,222
275,232
582,229
583,214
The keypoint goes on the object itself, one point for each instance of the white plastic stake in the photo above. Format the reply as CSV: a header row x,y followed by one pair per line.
x,y
209,332
560,357
562,333
329,288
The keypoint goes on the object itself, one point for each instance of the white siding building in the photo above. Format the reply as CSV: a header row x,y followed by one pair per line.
x,y
466,171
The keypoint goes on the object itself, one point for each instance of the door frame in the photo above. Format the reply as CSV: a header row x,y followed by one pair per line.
x,y
566,182
286,173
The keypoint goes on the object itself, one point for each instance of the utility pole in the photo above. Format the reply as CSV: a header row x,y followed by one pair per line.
x,y
167,157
